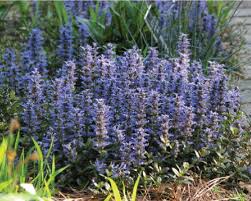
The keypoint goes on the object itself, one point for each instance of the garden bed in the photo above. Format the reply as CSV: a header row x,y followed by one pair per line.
x,y
125,100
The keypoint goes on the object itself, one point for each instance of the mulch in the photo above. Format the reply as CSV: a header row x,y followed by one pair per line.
x,y
199,190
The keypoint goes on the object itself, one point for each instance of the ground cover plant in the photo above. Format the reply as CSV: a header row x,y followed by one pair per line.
x,y
109,108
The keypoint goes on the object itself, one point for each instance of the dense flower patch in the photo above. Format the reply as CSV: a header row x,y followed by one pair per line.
x,y
118,112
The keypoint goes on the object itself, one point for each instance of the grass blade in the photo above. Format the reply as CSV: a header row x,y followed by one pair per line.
x,y
17,141
40,176
108,198
3,149
5,184
115,189
135,189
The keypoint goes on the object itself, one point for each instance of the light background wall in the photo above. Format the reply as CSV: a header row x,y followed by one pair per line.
x,y
244,14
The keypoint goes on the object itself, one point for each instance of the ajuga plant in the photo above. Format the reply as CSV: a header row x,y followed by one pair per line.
x,y
33,56
120,113
230,150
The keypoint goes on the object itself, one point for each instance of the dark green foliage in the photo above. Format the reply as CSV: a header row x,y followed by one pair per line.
x,y
232,155
9,107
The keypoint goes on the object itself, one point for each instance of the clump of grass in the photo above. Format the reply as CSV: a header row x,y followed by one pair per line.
x,y
18,167
126,196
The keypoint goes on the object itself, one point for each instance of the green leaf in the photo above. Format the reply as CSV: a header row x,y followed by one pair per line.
x,y
61,12
28,188
3,149
124,191
234,130
115,190
50,148
176,172
23,7
5,184
197,154
186,165
17,141
40,177
135,189
108,197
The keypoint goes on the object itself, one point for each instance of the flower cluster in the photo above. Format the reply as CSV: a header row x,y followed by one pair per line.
x,y
10,73
128,107
15,73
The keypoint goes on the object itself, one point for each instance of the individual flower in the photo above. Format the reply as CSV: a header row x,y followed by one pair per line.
x,y
183,62
120,170
141,108
153,112
89,55
133,67
100,166
196,11
83,33
209,25
151,60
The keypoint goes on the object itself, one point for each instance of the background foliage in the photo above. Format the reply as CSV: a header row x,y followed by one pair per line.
x,y
123,23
